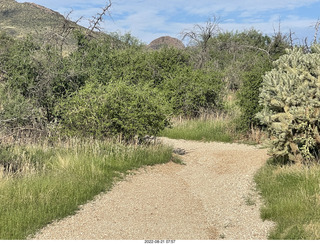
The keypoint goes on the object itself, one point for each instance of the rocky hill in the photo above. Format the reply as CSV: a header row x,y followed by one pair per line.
x,y
166,41
20,19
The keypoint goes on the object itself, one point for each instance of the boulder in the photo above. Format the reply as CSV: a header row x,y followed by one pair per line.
x,y
166,41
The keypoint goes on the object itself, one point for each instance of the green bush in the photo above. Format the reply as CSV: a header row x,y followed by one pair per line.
x,y
17,111
248,95
291,107
17,63
167,63
116,109
106,59
36,72
191,91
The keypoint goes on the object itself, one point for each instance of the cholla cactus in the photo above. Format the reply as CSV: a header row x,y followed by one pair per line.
x,y
290,97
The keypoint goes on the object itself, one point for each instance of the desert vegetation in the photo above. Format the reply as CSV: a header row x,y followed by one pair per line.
x,y
290,111
51,181
71,123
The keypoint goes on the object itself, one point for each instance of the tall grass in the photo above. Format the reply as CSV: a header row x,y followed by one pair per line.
x,y
292,200
53,181
205,128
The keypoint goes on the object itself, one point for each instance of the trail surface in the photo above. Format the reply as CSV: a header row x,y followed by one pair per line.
x,y
210,197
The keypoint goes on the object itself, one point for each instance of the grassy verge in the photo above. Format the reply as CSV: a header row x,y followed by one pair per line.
x,y
53,182
221,130
292,200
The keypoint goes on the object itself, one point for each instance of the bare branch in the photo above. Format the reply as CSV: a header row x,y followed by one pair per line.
x,y
306,45
316,27
201,35
13,119
257,48
95,23
8,120
59,36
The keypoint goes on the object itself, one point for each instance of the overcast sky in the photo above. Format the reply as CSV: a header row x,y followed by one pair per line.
x,y
149,19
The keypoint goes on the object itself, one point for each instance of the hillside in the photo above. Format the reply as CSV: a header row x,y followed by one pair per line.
x,y
20,19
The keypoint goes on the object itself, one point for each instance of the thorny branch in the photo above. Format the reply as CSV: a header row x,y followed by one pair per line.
x,y
95,23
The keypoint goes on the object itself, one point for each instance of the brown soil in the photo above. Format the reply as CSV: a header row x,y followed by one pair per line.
x,y
212,196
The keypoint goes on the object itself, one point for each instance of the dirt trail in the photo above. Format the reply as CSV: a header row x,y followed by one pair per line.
x,y
210,197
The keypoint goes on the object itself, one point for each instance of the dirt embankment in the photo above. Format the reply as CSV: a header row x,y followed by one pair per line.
x,y
210,197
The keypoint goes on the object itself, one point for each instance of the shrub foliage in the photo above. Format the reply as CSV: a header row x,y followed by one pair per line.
x,y
116,109
110,84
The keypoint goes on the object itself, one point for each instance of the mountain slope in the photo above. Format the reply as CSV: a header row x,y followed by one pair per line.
x,y
21,19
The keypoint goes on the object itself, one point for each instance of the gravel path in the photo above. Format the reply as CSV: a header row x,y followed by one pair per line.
x,y
210,197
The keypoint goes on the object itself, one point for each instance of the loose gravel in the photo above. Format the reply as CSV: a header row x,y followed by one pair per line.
x,y
211,196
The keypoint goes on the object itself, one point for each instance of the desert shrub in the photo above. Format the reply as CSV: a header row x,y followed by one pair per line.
x,y
167,62
248,95
19,68
187,89
92,59
169,70
16,111
132,65
191,91
110,58
117,109
38,72
141,66
291,108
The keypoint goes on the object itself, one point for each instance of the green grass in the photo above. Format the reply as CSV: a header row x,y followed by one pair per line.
x,y
292,200
53,182
202,130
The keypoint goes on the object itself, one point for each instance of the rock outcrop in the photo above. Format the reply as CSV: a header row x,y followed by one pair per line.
x,y
166,41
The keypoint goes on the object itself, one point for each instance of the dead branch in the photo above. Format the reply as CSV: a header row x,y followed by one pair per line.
x,y
59,34
202,34
316,27
256,48
95,22
9,120
291,39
